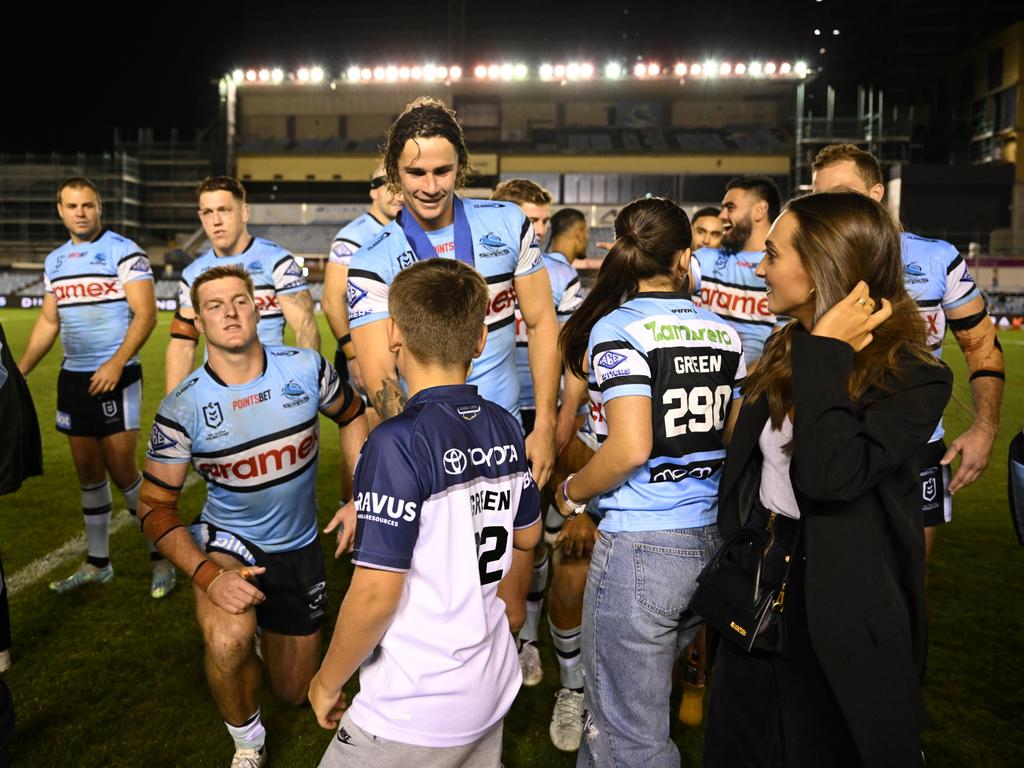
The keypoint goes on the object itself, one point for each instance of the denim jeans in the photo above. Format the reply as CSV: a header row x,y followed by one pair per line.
x,y
634,617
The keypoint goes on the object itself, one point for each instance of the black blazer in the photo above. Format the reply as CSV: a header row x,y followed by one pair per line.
x,y
856,481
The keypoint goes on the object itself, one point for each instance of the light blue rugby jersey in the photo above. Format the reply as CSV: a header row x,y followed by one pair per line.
x,y
88,282
255,444
730,289
274,273
567,294
504,248
937,278
352,237
689,362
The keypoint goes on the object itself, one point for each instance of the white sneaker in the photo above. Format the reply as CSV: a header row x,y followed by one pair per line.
x,y
529,660
5,661
163,579
567,720
249,758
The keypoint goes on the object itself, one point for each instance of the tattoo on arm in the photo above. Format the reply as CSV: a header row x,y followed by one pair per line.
x,y
307,334
389,400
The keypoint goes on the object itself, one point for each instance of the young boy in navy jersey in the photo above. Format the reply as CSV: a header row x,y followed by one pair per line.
x,y
443,493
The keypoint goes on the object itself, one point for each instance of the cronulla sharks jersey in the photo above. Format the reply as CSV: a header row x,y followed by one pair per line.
x,y
255,444
504,248
567,294
730,289
352,237
937,278
690,364
274,273
440,489
88,280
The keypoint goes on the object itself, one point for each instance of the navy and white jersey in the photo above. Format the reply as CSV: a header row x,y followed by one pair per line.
x,y
730,289
504,248
352,237
440,488
255,444
937,278
690,364
567,295
274,273
88,280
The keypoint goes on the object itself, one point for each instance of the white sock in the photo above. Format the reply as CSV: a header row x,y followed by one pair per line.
x,y
535,601
96,501
249,735
567,648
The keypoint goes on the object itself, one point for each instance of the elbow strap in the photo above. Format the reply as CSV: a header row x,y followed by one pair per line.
x,y
977,339
184,328
352,406
162,500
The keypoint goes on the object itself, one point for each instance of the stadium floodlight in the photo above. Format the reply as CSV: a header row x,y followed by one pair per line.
x,y
653,69
391,73
316,74
416,73
710,68
613,70
640,70
756,68
480,71
250,75
559,71
378,73
681,69
366,73
507,71
521,71
725,68
277,74
800,68
353,74
586,70
835,31
429,72
493,71
572,71
455,72
769,68
403,73
817,32
238,75
740,68
302,75
785,68
695,69
264,75
546,71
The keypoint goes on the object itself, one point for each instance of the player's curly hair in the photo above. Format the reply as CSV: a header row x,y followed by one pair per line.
x,y
425,117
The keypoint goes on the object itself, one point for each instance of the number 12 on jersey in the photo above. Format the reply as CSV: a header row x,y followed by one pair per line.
x,y
491,545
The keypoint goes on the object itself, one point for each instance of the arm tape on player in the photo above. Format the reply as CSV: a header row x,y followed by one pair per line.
x,y
184,328
989,374
980,346
162,500
966,323
352,408
205,574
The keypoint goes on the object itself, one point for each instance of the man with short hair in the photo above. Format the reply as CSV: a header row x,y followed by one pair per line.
x,y
248,422
707,228
427,160
937,278
728,285
281,291
100,300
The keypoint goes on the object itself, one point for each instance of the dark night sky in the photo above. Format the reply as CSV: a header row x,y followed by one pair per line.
x,y
75,75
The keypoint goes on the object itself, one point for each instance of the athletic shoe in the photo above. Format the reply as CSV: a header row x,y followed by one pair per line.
x,y
164,579
87,574
552,525
5,661
249,758
529,660
567,720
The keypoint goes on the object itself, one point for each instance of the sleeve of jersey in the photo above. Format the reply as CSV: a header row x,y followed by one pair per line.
x,y
368,287
169,440
47,285
620,368
529,260
960,285
529,503
389,502
570,300
133,265
184,297
741,374
288,277
341,253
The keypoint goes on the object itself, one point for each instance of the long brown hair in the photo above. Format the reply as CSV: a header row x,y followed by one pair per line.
x,y
649,232
843,238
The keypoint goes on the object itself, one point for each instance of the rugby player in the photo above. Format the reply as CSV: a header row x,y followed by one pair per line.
x,y
248,422
281,291
100,299
426,160
707,229
728,285
444,494
937,278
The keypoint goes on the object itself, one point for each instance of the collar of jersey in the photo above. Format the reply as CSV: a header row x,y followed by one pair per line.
x,y
220,381
444,392
682,295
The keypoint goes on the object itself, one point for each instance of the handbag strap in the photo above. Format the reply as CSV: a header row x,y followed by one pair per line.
x,y
780,597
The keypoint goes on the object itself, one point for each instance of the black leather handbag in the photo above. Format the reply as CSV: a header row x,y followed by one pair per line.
x,y
733,598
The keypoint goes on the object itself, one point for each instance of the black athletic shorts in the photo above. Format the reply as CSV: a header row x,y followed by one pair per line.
x,y
295,582
936,504
85,415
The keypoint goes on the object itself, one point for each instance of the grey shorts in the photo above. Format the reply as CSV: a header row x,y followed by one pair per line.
x,y
352,747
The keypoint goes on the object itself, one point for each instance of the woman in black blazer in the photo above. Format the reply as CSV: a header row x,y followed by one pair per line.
x,y
822,461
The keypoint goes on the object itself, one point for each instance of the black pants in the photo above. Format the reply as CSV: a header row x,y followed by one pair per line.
x,y
776,711
6,722
5,613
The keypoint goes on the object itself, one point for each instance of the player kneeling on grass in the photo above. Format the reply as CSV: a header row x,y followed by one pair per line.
x,y
248,422
443,493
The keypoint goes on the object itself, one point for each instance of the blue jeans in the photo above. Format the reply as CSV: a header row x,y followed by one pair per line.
x,y
634,617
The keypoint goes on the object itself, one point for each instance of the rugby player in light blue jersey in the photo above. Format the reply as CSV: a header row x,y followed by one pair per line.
x,y
100,300
248,421
728,285
281,291
666,374
426,159
937,278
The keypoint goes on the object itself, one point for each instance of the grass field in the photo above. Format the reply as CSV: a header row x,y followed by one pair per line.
x,y
109,677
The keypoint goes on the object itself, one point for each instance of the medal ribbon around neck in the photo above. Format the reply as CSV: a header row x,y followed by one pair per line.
x,y
422,246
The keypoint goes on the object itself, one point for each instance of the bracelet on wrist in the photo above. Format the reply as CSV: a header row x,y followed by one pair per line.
x,y
577,507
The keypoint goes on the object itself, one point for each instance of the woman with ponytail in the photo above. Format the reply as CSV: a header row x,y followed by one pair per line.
x,y
662,376
822,464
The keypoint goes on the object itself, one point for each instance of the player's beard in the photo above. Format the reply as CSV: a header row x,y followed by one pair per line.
x,y
736,237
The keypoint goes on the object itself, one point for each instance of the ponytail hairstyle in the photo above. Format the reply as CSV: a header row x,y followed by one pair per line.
x,y
843,238
649,233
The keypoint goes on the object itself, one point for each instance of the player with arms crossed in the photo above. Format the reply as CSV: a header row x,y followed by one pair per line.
x,y
248,423
426,159
281,292
100,300
443,494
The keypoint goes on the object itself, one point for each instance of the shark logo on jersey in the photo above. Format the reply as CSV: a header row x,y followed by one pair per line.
x,y
611,360
494,245
292,390
406,259
294,269
355,294
212,415
383,236
160,440
254,267
141,264
99,258
913,268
